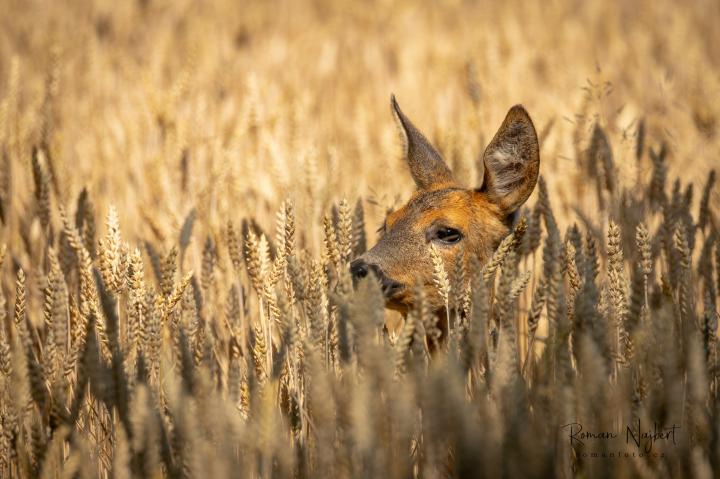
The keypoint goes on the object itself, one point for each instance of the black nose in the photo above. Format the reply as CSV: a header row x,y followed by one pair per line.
x,y
359,269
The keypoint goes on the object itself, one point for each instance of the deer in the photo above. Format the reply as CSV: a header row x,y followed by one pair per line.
x,y
455,219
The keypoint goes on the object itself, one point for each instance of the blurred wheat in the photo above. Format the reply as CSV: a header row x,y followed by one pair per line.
x,y
174,290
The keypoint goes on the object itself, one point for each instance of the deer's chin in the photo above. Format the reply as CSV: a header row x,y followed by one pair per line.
x,y
401,299
399,306
397,299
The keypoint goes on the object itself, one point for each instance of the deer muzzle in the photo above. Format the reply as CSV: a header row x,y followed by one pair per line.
x,y
360,269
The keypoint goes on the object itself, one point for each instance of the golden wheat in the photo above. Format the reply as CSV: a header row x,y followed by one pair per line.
x,y
252,144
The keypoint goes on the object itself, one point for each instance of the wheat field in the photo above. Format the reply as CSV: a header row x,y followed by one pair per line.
x,y
184,184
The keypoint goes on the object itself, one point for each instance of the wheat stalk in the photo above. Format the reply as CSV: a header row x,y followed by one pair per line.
x,y
441,280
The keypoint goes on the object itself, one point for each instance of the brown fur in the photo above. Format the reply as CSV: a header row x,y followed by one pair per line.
x,y
400,257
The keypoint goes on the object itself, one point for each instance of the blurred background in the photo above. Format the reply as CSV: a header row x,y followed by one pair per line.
x,y
159,107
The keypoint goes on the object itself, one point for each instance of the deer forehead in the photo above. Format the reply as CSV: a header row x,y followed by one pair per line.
x,y
453,206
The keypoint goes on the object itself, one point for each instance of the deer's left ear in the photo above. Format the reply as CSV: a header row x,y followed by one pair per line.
x,y
426,165
512,161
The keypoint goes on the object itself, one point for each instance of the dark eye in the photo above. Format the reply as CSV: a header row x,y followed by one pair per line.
x,y
448,235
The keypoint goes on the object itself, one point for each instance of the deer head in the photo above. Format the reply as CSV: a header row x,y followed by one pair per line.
x,y
457,220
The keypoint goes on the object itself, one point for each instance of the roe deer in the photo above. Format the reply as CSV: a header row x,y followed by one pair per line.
x,y
457,220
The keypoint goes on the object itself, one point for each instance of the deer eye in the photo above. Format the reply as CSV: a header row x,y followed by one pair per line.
x,y
448,235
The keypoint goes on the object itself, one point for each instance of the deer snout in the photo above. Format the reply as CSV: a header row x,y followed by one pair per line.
x,y
360,269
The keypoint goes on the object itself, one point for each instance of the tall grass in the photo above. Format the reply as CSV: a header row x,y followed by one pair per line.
x,y
183,187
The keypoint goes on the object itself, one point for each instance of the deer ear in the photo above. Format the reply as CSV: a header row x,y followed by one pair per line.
x,y
426,165
512,161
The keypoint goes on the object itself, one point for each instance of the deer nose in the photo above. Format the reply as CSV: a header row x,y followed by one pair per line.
x,y
359,269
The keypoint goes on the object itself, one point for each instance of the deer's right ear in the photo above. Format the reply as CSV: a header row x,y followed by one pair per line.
x,y
426,165
512,161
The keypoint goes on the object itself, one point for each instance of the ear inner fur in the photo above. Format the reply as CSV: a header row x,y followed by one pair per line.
x,y
512,161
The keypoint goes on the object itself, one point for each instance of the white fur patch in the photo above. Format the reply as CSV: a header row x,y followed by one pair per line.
x,y
507,167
